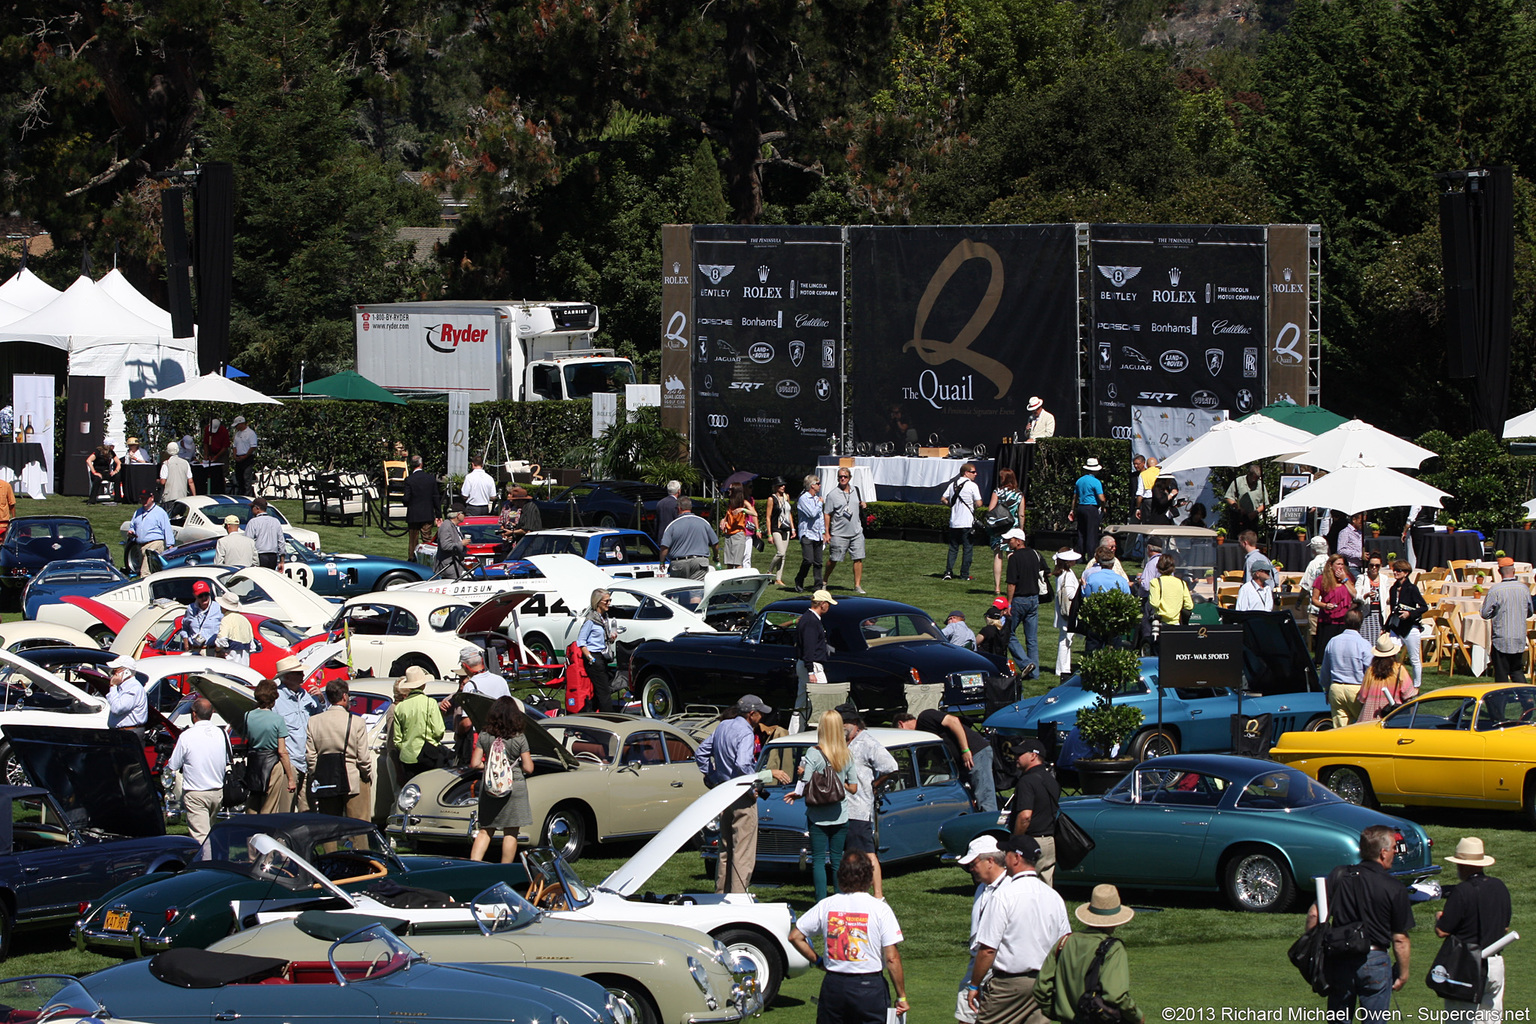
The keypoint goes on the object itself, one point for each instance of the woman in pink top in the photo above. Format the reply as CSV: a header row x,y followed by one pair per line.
x,y
1387,683
1333,595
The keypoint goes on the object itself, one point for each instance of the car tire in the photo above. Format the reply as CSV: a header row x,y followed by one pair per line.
x,y
1154,743
1319,724
419,660
1257,881
657,699
763,952
538,643
1350,784
11,771
565,831
607,521
633,993
103,636
391,579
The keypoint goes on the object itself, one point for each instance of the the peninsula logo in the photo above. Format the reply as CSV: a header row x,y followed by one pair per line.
x,y
797,352
1204,400
1119,275
716,272
1285,286
1214,358
448,338
762,275
760,352
1174,361
788,389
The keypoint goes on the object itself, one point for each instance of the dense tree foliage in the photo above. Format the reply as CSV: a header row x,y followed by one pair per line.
x,y
567,132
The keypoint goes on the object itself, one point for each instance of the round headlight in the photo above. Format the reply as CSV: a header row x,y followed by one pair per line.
x,y
409,797
700,974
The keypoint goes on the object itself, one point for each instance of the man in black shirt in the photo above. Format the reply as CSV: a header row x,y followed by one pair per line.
x,y
811,644
1477,911
1035,801
1367,893
1026,571
421,505
965,744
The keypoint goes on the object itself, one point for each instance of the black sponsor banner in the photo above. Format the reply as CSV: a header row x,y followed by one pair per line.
x,y
958,327
1177,319
768,339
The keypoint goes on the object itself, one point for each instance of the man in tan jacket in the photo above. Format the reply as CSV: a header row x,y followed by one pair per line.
x,y
337,755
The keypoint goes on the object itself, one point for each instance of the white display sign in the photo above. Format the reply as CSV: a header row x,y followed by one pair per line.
x,y
639,396
605,413
34,395
1163,431
458,433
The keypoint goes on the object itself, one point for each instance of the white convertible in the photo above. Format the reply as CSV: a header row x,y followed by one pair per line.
x,y
201,517
395,629
31,694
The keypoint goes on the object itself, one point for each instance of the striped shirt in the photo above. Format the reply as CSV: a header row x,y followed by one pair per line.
x,y
1508,604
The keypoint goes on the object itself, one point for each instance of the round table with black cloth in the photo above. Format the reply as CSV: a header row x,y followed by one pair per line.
x,y
18,456
1292,554
1517,544
139,479
1018,457
1440,549
208,477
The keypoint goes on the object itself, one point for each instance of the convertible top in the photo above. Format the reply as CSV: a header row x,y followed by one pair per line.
x,y
198,968
331,925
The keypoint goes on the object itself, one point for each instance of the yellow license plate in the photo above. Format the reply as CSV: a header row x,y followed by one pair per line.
x,y
117,920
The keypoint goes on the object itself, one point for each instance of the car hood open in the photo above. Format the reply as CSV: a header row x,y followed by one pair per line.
x,y
540,743
98,776
490,615
636,871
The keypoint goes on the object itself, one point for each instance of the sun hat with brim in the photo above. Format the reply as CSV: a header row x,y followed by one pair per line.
x,y
979,846
1035,402
1387,646
1092,466
286,665
1104,909
415,678
133,440
229,602
1470,852
1068,556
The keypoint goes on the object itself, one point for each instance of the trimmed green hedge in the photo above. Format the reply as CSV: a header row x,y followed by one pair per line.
x,y
359,436
1058,463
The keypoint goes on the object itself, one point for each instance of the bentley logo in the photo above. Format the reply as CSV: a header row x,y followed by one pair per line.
x,y
796,351
1214,357
715,271
937,353
1119,275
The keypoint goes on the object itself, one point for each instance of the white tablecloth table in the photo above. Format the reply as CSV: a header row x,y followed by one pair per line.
x,y
863,481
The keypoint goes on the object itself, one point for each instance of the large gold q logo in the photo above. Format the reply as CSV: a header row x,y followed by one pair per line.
x,y
937,353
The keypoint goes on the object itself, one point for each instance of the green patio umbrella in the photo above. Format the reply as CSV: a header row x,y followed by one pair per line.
x,y
349,385
1314,419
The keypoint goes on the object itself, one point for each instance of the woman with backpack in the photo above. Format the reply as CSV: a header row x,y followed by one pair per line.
x,y
503,752
826,812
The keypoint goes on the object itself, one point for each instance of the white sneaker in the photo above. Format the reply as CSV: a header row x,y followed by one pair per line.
x,y
860,590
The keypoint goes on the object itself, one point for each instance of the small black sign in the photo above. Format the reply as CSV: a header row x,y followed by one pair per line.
x,y
1201,657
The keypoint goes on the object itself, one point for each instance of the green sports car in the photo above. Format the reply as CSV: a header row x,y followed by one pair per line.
x,y
229,881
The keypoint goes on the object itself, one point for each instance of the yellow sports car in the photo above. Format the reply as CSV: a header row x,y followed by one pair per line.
x,y
1460,746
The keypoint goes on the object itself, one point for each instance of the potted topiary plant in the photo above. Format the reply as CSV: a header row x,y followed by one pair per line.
x,y
1112,666
1221,535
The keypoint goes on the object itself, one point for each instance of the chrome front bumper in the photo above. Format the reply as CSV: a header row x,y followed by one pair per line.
x,y
132,941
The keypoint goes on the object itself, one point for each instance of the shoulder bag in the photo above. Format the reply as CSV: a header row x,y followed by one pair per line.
x,y
824,786
1309,958
1458,972
1091,1006
329,778
1073,845
235,792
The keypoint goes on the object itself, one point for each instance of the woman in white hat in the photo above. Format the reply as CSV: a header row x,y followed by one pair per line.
x,y
1066,591
1064,976
1387,683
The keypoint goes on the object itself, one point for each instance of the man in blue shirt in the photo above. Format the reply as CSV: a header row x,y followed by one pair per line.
x,y
810,523
1101,575
200,622
729,753
266,532
1345,660
151,529
296,705
127,703
1089,510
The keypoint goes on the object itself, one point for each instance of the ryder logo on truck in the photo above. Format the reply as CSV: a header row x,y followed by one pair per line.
x,y
447,338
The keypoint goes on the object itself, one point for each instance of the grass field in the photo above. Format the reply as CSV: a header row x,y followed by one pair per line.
x,y
1191,959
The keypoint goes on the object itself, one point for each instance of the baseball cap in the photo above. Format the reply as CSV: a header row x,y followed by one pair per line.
x,y
133,440
752,702
122,661
1000,603
201,587
231,520
1015,534
1506,560
239,420
956,614
470,655
1024,846
1028,745
172,448
979,846
850,713
823,595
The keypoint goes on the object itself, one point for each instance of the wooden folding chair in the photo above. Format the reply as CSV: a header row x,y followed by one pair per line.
x,y
1451,637
1233,576
1430,647
1458,568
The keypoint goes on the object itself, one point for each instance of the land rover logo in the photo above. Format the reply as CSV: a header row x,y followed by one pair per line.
x,y
760,352
1204,400
788,389
1174,361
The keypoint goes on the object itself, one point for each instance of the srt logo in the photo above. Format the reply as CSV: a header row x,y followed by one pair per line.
x,y
745,385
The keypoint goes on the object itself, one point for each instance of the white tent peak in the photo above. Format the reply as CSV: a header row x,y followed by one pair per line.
x,y
130,298
27,290
83,308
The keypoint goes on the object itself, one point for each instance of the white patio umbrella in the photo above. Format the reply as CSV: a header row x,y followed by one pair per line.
x,y
1530,509
1358,441
214,387
1228,443
1523,425
1359,486
1284,431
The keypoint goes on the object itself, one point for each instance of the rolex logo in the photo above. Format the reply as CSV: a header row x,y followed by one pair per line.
x,y
1173,276
677,268
762,275
1286,273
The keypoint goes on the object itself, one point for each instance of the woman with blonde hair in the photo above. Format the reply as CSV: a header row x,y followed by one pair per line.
x,y
828,822
596,638
781,523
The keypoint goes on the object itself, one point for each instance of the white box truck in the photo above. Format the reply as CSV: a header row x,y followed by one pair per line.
x,y
519,350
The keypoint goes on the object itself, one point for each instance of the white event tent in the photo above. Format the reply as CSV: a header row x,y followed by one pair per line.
x,y
130,345
27,290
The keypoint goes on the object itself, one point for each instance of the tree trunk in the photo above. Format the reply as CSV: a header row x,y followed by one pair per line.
x,y
742,181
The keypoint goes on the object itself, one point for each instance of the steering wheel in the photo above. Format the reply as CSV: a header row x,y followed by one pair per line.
x,y
382,961
552,898
535,893
375,869
587,755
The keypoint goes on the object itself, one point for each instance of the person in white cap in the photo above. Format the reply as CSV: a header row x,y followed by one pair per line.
x,y
244,446
127,703
1088,491
985,862
1028,580
476,679
1477,911
1063,979
1041,423
235,639
175,474
1066,592
812,647
235,548
1018,930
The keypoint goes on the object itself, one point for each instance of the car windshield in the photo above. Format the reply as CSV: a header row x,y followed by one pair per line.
x,y
448,618
247,590
38,998
21,688
689,597
585,742
217,511
898,627
94,571
582,380
547,872
1185,787
1281,790
369,954
232,841
499,910
481,533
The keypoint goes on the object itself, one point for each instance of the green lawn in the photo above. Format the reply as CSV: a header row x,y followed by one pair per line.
x,y
1191,958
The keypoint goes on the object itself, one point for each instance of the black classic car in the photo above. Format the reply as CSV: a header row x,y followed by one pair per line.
x,y
878,648
97,824
35,541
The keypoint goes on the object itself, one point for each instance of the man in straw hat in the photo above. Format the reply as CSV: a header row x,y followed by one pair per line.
x,y
1064,978
1367,893
1477,911
1019,928
1088,491
417,727
297,705
985,862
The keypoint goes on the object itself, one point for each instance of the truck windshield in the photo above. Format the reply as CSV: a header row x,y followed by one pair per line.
x,y
608,376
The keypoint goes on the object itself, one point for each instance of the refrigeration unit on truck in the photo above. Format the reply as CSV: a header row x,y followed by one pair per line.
x,y
524,351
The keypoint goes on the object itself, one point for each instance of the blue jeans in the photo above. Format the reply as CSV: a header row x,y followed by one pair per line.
x,y
1025,612
825,838
1368,982
959,536
983,783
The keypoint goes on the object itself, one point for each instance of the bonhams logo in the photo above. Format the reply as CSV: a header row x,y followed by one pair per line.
x,y
447,338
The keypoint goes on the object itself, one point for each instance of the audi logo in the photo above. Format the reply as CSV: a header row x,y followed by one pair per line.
x,y
719,420
1121,433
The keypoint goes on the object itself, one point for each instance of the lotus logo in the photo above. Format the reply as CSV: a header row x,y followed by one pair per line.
x,y
1174,361
1214,358
788,389
1173,276
760,352
1119,275
1204,400
796,352
715,272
